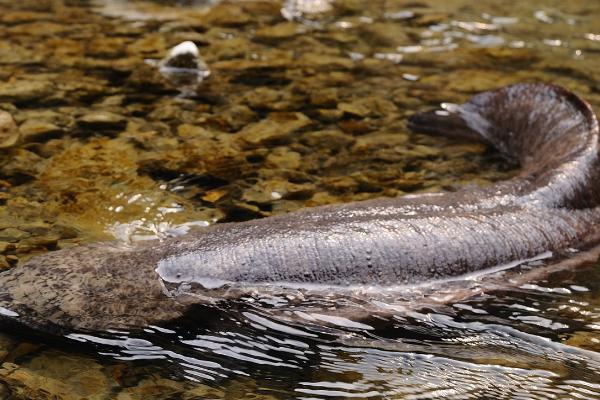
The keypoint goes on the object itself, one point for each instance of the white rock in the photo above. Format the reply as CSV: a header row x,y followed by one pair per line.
x,y
183,48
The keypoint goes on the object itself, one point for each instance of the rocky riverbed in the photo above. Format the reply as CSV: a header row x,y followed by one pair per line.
x,y
303,106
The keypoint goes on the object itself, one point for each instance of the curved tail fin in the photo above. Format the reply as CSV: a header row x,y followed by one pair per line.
x,y
551,132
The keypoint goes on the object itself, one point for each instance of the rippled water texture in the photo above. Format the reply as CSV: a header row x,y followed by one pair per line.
x,y
306,104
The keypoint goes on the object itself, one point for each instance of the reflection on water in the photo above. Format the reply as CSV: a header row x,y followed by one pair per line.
x,y
305,105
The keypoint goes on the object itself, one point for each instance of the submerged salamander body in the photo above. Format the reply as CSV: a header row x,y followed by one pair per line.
x,y
551,205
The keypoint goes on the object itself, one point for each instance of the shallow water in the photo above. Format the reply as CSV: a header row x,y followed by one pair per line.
x,y
304,106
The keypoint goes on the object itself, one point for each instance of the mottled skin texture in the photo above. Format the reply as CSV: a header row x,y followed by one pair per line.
x,y
552,204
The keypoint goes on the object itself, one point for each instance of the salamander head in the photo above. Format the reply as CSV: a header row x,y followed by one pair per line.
x,y
192,267
173,270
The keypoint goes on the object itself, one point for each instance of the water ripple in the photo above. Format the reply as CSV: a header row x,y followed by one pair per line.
x,y
511,344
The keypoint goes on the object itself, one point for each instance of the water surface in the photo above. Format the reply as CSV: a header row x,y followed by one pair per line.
x,y
306,104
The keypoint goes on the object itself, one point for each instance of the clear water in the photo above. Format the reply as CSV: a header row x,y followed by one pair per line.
x,y
163,164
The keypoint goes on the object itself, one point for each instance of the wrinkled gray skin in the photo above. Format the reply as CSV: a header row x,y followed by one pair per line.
x,y
551,205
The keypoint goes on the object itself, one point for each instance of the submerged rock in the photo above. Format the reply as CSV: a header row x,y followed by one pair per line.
x,y
227,14
12,234
184,67
63,378
26,90
280,31
276,128
102,121
23,165
39,131
9,133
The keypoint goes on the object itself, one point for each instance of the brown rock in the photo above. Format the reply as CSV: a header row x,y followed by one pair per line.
x,y
269,191
54,376
149,44
19,17
324,98
37,228
238,116
276,128
22,164
261,97
282,157
12,258
340,184
9,133
238,211
4,263
329,115
429,19
41,28
12,235
213,196
106,47
375,141
26,90
37,242
4,246
357,126
189,131
384,34
280,31
328,140
320,60
102,121
38,131
368,107
65,231
227,14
